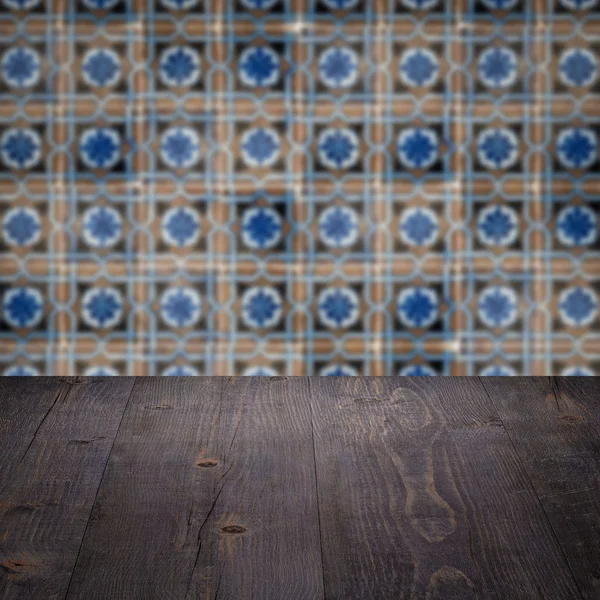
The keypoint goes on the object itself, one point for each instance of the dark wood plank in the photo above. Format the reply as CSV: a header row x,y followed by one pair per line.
x,y
24,405
554,424
209,492
47,495
422,495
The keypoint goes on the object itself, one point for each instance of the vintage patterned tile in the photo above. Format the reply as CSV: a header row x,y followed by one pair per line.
x,y
288,187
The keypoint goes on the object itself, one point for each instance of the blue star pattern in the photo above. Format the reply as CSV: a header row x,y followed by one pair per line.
x,y
267,187
262,307
101,68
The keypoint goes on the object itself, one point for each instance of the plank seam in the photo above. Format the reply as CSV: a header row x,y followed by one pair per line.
x,y
525,471
312,427
100,485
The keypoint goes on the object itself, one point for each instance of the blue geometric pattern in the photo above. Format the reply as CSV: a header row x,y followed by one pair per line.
x,y
299,187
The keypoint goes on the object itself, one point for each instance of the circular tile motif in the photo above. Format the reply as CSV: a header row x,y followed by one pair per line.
x,y
21,227
498,371
260,372
261,147
418,307
180,306
259,66
261,228
101,372
179,4
500,4
497,148
419,4
180,371
338,371
578,306
579,4
418,148
102,227
21,148
498,306
339,227
179,66
180,227
340,4
180,147
578,372
339,67
497,225
498,67
577,226
100,4
22,307
102,308
262,307
417,371
338,148
20,371
578,67
100,148
577,148
259,4
21,67
20,4
419,67
338,308
101,67
419,227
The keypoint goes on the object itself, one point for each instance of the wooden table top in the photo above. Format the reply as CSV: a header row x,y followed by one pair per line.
x,y
299,488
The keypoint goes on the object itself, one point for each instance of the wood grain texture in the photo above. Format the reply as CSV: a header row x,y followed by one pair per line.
x,y
209,493
554,424
51,477
422,495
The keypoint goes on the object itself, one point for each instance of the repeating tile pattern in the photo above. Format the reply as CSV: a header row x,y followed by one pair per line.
x,y
294,187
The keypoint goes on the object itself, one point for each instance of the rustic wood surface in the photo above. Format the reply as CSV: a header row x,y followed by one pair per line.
x,y
299,488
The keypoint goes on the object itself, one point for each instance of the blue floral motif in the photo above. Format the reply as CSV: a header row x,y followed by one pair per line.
x,y
100,4
100,148
577,226
102,308
578,306
338,148
497,226
180,66
498,306
180,147
259,4
340,4
20,4
500,4
497,148
419,227
101,68
339,67
180,371
338,371
579,4
181,226
102,227
21,371
22,307
498,371
417,371
101,372
338,226
21,148
577,148
418,307
419,67
262,307
418,148
498,67
578,372
419,4
261,228
259,372
578,67
338,307
21,227
260,147
180,307
259,67
21,67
